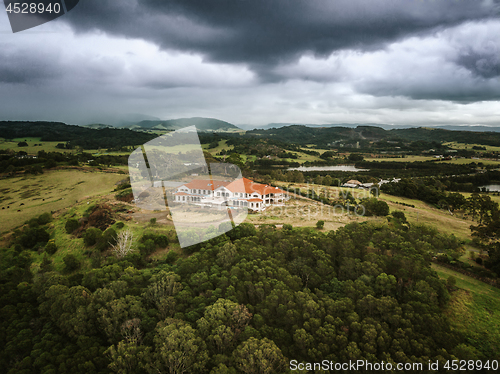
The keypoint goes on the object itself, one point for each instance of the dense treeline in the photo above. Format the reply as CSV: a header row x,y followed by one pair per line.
x,y
84,137
247,301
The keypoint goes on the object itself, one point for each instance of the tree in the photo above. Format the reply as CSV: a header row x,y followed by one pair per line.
x,y
259,356
179,349
129,358
222,324
355,157
124,244
320,224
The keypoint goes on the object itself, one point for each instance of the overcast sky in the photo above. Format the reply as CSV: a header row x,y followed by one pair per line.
x,y
402,62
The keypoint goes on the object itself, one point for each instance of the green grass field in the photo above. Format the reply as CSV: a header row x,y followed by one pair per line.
x,y
474,310
456,145
222,146
48,192
31,148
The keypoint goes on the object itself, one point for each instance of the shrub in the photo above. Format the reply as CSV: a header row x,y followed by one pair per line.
x,y
399,215
51,247
171,257
32,236
451,282
479,261
101,217
161,240
147,247
320,224
125,195
92,236
119,225
71,225
44,218
109,236
152,221
287,227
71,262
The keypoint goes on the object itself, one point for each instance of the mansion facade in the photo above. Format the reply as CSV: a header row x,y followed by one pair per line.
x,y
242,193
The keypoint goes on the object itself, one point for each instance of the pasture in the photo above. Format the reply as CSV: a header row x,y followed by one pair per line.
x,y
28,196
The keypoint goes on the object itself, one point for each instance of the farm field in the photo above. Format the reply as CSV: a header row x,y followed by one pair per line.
x,y
48,192
31,149
456,145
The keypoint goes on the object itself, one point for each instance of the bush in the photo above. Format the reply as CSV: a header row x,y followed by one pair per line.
x,y
399,215
71,262
152,221
51,247
32,236
320,224
287,227
479,261
71,225
159,240
109,236
147,247
119,225
44,218
92,236
451,282
125,195
171,257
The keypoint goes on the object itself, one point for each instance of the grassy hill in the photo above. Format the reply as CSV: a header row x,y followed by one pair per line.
x,y
202,124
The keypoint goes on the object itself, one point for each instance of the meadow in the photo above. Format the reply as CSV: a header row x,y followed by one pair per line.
x,y
28,196
474,310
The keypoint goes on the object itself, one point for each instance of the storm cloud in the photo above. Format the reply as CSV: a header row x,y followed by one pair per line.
x,y
258,61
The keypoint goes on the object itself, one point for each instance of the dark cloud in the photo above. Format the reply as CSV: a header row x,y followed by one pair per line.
x,y
486,64
264,33
22,67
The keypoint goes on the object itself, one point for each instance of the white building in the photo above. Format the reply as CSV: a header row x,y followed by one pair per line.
x,y
239,193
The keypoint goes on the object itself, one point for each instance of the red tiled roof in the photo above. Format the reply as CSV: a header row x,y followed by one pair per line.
x,y
242,185
254,200
247,186
205,184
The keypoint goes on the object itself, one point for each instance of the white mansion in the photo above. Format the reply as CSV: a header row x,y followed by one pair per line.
x,y
239,193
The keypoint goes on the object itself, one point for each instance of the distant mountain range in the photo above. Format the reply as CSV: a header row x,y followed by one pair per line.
x,y
385,127
323,136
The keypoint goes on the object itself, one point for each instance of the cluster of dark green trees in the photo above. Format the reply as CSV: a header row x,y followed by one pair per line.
x,y
247,301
